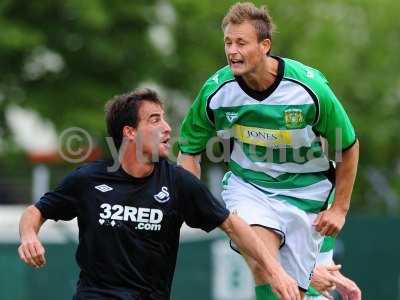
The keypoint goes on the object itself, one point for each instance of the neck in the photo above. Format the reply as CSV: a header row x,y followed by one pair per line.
x,y
136,166
263,76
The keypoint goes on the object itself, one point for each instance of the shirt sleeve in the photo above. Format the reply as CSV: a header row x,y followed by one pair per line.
x,y
196,204
334,123
62,202
197,127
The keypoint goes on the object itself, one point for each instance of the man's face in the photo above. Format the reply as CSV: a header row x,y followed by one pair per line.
x,y
153,132
243,50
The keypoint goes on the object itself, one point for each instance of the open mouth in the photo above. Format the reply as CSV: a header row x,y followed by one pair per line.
x,y
165,142
236,62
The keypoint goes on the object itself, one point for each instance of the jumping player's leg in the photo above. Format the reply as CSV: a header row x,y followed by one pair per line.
x,y
272,241
254,209
287,232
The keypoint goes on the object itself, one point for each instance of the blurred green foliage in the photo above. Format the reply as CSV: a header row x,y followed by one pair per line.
x,y
100,48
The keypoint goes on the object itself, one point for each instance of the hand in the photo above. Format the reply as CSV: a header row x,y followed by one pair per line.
x,y
330,221
347,288
323,279
284,286
31,251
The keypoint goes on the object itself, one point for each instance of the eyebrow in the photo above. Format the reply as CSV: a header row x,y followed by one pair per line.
x,y
239,38
154,115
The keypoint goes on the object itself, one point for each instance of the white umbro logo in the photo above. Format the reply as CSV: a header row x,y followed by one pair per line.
x,y
103,188
310,74
215,78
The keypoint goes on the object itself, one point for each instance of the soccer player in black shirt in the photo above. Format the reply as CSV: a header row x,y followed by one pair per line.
x,y
130,216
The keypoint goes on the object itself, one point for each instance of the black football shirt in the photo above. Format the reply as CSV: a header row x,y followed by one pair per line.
x,y
129,227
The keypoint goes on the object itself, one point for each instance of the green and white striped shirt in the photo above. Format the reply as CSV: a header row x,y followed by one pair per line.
x,y
274,134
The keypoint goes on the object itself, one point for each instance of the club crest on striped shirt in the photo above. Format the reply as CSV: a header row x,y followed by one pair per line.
x,y
231,116
294,118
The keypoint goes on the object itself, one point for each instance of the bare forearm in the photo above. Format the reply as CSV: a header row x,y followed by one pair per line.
x,y
31,250
31,221
191,163
249,244
346,171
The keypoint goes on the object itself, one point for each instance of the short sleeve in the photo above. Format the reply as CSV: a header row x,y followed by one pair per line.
x,y
197,127
62,202
334,123
198,207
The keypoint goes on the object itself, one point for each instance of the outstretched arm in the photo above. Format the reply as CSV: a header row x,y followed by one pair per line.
x,y
251,246
31,250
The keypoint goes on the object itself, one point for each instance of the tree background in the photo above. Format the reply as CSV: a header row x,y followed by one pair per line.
x,y
64,59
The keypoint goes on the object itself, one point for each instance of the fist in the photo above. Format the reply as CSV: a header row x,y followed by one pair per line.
x,y
330,222
31,251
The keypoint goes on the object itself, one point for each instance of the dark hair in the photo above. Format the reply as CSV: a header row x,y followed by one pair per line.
x,y
259,17
123,110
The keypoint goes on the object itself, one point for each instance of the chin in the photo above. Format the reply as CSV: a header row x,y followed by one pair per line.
x,y
163,152
238,72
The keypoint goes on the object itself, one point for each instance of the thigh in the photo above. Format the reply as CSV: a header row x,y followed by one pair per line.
x,y
300,251
270,238
252,206
279,224
271,241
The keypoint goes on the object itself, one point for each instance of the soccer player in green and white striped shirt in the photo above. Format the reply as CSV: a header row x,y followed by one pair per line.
x,y
270,113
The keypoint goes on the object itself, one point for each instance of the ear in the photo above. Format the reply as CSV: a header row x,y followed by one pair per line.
x,y
266,45
128,133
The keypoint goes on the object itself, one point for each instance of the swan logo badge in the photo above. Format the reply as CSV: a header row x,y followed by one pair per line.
x,y
162,196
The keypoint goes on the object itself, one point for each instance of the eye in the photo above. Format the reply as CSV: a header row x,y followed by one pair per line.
x,y
154,120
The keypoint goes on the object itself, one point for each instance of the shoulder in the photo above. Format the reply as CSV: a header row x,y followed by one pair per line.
x,y
174,168
297,70
306,76
181,175
91,168
217,80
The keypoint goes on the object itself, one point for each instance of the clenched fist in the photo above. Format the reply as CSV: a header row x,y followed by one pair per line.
x,y
31,251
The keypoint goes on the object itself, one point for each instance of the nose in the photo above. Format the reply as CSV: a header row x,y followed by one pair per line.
x,y
231,49
166,127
